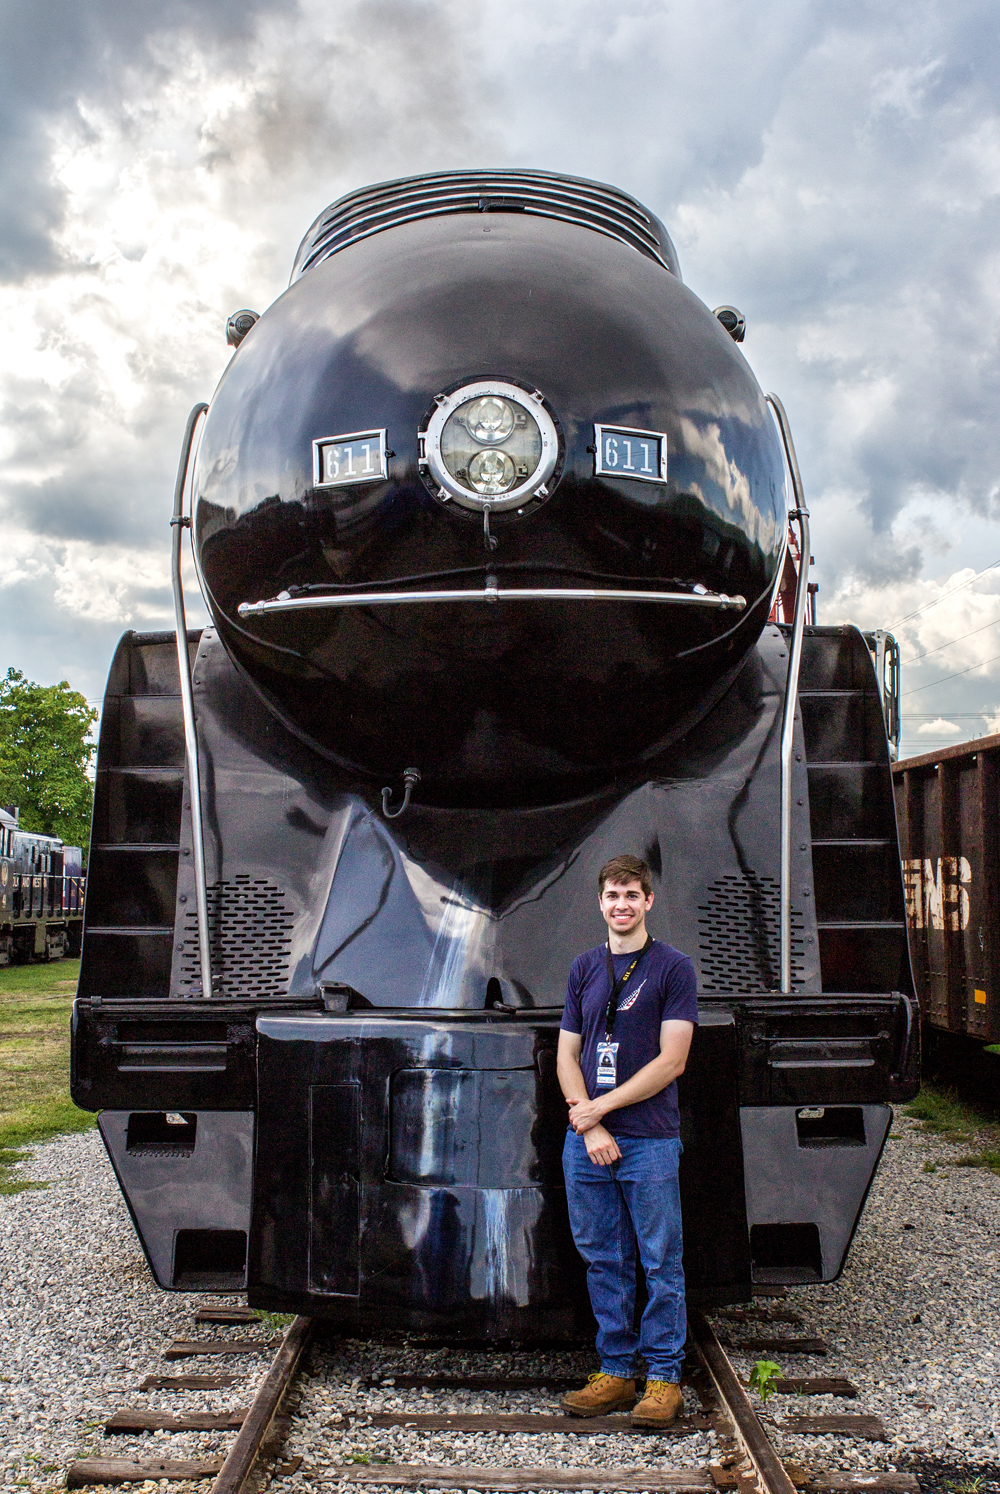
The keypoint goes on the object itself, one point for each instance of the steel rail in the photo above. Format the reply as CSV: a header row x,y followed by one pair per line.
x,y
491,592
178,523
801,515
770,1470
245,1451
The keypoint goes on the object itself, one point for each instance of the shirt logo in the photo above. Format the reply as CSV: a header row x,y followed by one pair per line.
x,y
632,997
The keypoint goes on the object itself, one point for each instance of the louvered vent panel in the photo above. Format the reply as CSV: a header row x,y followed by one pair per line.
x,y
542,194
251,929
739,935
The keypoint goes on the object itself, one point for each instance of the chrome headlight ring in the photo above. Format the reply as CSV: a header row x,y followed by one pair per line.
x,y
489,445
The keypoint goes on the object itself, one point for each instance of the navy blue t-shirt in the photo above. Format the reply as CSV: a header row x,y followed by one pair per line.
x,y
664,988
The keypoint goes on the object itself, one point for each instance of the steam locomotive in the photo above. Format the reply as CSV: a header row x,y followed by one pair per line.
x,y
491,516
41,894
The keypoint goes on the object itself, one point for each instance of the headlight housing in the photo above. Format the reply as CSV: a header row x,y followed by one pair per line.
x,y
490,443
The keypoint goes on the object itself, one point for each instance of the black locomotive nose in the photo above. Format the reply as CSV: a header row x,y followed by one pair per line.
x,y
538,443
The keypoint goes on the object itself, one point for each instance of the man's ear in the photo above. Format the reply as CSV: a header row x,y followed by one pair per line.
x,y
649,902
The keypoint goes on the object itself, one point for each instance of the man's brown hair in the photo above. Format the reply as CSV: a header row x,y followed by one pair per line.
x,y
625,869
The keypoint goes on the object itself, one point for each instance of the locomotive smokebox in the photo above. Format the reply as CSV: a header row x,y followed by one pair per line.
x,y
523,399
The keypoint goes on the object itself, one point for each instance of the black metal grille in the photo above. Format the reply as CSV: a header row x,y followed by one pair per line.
x,y
251,934
540,193
739,935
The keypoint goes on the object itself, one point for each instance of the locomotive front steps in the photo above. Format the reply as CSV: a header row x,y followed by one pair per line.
x,y
137,816
858,888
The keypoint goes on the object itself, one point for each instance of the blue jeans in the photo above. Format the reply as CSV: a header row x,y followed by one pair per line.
x,y
611,1209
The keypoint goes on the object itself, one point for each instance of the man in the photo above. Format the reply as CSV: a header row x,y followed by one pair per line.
x,y
631,1010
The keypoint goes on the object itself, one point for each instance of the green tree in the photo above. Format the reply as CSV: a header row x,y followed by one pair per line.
x,y
44,756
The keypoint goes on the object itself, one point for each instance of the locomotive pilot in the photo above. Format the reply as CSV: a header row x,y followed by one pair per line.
x,y
631,1010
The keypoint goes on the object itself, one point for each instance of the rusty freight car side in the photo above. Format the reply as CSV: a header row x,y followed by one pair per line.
x,y
948,811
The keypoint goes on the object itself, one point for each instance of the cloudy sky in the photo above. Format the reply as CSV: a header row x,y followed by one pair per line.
x,y
832,169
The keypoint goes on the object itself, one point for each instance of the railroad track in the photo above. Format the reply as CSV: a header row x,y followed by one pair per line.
x,y
745,1460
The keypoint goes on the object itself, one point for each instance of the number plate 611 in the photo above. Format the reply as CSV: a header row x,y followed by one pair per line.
x,y
638,455
340,460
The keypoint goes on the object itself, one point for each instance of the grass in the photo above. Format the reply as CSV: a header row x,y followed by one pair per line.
x,y
274,1322
35,1006
940,1112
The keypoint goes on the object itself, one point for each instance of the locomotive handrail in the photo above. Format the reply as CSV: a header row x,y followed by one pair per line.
x,y
800,514
179,523
904,1046
491,592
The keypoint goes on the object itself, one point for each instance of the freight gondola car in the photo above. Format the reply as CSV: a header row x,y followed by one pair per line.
x,y
949,817
42,890
490,514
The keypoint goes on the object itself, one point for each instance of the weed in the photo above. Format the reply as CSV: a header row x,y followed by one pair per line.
x,y
941,1113
358,1458
763,1376
274,1322
988,1158
930,1167
18,1185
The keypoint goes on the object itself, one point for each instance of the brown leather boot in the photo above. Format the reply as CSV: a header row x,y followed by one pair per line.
x,y
601,1394
659,1406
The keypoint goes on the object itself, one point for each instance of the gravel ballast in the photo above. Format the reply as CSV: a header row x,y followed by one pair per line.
x,y
912,1323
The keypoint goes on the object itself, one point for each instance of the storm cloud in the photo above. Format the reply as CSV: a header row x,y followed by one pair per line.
x,y
831,169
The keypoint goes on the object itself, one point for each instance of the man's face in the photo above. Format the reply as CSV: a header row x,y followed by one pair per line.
x,y
624,906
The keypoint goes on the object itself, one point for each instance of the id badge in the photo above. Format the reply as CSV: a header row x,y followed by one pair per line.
x,y
607,1065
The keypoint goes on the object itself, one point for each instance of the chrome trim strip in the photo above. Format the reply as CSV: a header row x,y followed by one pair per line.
x,y
178,524
380,208
491,592
801,515
373,209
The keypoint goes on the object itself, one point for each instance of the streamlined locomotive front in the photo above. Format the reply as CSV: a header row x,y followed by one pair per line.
x,y
476,404
488,501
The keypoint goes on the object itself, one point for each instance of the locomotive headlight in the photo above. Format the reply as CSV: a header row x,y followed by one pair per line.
x,y
490,442
491,471
490,419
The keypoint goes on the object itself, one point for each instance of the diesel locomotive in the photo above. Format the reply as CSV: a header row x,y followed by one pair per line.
x,y
492,521
42,890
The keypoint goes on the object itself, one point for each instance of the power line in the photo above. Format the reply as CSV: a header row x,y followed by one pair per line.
x,y
959,639
954,676
960,587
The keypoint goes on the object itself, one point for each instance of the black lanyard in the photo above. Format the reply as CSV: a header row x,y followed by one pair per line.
x,y
617,985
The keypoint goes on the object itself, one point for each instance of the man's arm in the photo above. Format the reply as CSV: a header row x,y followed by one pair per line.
x,y
675,1043
602,1147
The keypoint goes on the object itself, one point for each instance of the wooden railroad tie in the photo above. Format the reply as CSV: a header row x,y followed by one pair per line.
x,y
868,1428
761,1315
419,1381
230,1315
512,1480
530,1423
126,1471
188,1382
876,1482
774,1345
816,1385
492,1346
137,1420
189,1348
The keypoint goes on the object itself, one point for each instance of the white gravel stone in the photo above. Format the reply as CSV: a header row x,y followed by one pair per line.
x,y
912,1323
913,1320
82,1324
